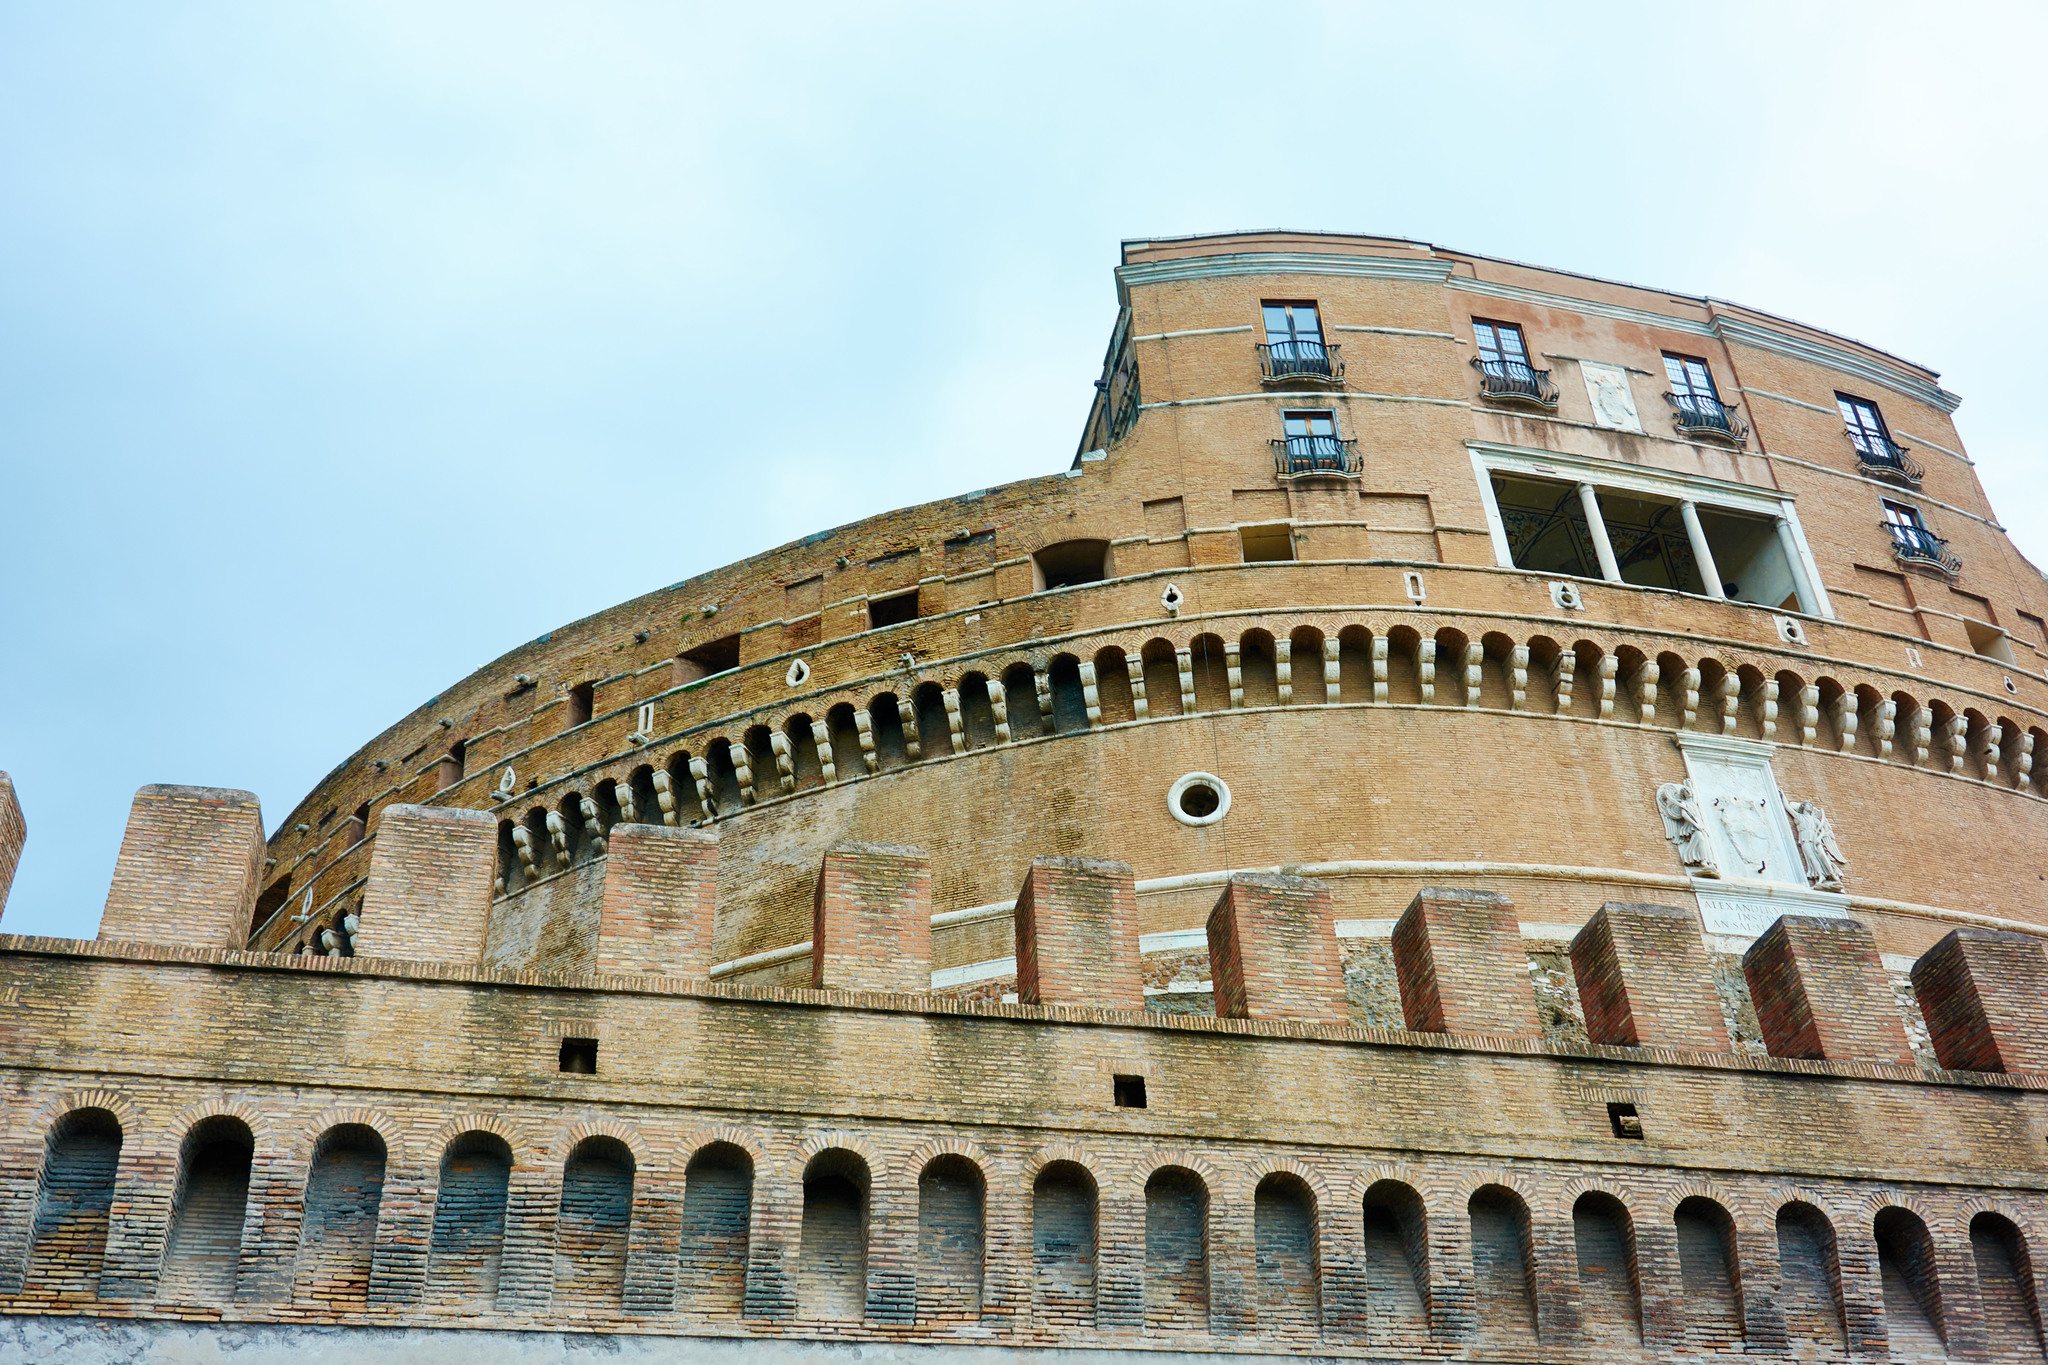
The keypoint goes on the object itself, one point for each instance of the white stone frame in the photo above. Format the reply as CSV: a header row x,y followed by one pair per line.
x,y
1489,459
1210,780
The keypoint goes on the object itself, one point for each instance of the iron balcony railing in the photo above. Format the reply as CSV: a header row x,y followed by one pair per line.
x,y
1918,545
1510,381
1283,360
1294,455
1696,416
1883,458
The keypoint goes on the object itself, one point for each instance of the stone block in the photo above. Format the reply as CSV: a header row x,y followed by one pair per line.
x,y
1459,960
1077,934
1985,995
1821,992
871,921
188,870
1273,950
659,903
429,892
1645,979
13,834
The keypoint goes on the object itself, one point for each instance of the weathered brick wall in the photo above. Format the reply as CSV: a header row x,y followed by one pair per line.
x,y
1980,991
1077,934
13,835
429,895
1273,948
189,868
468,1245
203,1251
1820,991
1645,981
1458,957
871,927
660,886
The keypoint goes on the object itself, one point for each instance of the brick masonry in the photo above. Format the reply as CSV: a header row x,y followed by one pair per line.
x,y
1273,948
872,923
1982,991
189,868
1821,991
429,894
1458,957
13,834
1077,934
1645,980
660,889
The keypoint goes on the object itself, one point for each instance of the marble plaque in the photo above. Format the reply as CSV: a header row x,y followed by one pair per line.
x,y
1614,403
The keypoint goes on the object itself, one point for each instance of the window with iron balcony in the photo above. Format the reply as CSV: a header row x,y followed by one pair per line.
x,y
1877,454
1697,409
1294,350
1505,375
1913,544
1311,446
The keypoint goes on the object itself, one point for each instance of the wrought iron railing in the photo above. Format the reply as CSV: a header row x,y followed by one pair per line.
x,y
1918,545
1510,381
1294,455
1883,458
1281,360
1696,416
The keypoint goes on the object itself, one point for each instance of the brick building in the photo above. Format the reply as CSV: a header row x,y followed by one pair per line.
x,y
1488,815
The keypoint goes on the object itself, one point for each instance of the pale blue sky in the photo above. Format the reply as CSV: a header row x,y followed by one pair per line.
x,y
345,346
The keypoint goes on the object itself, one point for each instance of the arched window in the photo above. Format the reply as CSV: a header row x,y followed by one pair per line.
x,y
1020,694
1809,1276
886,720
2005,1280
1162,679
591,1229
934,728
204,1247
1396,1262
1176,1251
1284,1246
339,1235
1912,1288
1063,1248
832,1259
718,1205
1711,1300
950,1201
68,1243
1113,686
1305,654
1070,562
1069,706
977,717
1503,1285
469,1222
1610,1283
1212,673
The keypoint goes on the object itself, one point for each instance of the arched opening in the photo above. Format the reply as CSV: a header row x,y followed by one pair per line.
x,y
832,1259
1544,697
1671,691
211,1199
718,1209
1305,673
767,773
806,767
1069,704
723,776
468,1239
1835,700
1716,706
1068,563
1354,665
1711,1294
338,1238
847,756
68,1242
885,722
575,834
682,791
1757,705
449,770
1020,697
591,1229
1212,673
1809,1276
1791,709
1451,682
1284,1249
1176,1251
269,903
646,800
1258,669
950,1202
977,714
1912,1288
1063,1248
1161,667
1610,1282
1945,747
1113,686
1396,1262
1503,1278
934,727
2005,1284
1404,669
1869,703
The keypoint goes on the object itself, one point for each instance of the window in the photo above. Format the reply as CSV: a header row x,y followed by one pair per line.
x,y
1876,452
1309,444
579,1056
1069,563
1267,544
1904,522
717,656
1697,403
582,697
1912,542
1294,346
1293,325
1130,1092
1504,369
1625,1121
892,611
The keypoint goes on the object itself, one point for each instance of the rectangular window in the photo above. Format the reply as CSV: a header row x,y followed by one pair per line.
x,y
892,611
1129,1091
1309,444
1904,523
1293,323
1691,380
1294,346
1501,344
1866,427
1267,544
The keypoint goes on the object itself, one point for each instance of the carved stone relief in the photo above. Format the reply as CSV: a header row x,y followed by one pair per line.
x,y
1614,405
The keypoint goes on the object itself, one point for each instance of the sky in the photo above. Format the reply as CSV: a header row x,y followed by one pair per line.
x,y
344,347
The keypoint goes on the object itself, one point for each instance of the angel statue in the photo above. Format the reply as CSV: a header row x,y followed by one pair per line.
x,y
1685,827
1818,848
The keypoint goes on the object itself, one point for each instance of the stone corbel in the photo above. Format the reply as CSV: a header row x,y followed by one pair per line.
x,y
1689,697
558,836
665,797
1475,669
629,805
1768,708
1380,654
593,822
1283,670
1425,668
700,773
1992,752
1958,742
1887,726
1518,677
522,844
954,723
1809,713
1731,702
743,771
2023,762
1567,670
1134,666
1233,673
913,745
998,706
1041,682
1610,667
1333,669
1921,727
1646,692
1186,659
785,761
1846,721
822,738
1091,698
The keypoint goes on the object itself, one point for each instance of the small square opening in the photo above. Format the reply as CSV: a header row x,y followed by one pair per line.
x,y
579,1056
892,611
1623,1119
1130,1092
1272,544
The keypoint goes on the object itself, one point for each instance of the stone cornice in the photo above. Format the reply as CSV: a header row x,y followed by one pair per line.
x,y
1878,370
1283,263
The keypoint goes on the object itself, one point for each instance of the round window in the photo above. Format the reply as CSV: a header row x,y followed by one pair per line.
x,y
1198,799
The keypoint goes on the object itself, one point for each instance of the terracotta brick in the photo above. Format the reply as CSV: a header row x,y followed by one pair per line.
x,y
1982,992
429,895
1645,979
1273,950
660,894
1820,990
1459,960
188,869
871,926
1077,934
13,834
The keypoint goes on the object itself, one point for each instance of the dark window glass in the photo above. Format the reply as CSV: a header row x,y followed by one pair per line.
x,y
1866,427
1500,343
1691,380
1288,323
1309,424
